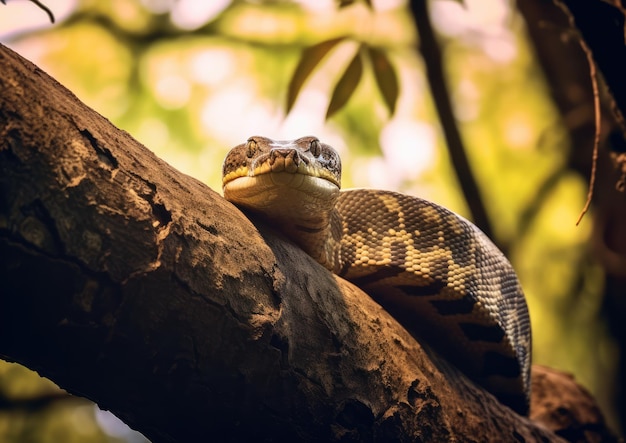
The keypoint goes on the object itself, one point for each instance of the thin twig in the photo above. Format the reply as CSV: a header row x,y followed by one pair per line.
x,y
596,107
40,5
598,125
45,8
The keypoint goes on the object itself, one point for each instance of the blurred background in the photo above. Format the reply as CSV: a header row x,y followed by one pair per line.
x,y
191,79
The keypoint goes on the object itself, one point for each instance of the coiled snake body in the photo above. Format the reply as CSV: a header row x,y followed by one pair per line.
x,y
436,272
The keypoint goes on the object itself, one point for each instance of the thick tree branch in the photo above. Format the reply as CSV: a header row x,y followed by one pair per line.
x,y
134,285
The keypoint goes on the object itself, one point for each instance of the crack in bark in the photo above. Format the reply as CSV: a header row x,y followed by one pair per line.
x,y
105,156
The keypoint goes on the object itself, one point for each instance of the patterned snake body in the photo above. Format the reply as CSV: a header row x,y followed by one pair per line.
x,y
436,272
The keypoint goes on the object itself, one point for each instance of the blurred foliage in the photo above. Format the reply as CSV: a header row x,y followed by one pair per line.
x,y
33,409
189,85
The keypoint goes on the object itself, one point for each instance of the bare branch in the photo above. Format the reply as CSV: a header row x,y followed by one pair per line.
x,y
438,86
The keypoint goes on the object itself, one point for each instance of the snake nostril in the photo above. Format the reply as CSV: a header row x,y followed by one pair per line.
x,y
290,154
284,160
274,154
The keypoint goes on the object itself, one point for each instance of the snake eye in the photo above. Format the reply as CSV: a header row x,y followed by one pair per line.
x,y
251,147
315,147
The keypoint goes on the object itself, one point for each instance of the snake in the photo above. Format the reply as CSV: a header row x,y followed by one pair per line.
x,y
437,273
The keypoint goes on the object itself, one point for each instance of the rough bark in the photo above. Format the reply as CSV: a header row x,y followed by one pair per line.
x,y
134,285
565,407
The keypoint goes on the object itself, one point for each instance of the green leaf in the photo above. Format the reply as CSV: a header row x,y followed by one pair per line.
x,y
309,59
386,78
346,85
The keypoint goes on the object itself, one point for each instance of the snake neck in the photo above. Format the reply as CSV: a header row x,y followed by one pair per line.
x,y
318,236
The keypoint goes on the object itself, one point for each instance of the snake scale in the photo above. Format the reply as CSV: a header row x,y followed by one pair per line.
x,y
434,271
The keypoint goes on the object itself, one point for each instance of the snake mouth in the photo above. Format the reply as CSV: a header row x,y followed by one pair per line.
x,y
263,190
283,177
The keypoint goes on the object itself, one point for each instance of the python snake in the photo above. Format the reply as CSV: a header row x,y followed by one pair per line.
x,y
434,271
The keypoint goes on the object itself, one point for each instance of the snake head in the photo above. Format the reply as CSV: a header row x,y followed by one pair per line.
x,y
261,155
294,183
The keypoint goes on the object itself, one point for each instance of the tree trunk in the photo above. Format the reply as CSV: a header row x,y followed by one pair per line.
x,y
134,285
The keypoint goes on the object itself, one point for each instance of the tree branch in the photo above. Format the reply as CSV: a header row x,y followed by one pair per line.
x,y
436,79
134,285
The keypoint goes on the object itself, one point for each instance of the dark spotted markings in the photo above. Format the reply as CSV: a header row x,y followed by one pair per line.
x,y
463,305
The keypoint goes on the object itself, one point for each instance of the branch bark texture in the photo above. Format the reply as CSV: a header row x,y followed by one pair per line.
x,y
134,285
